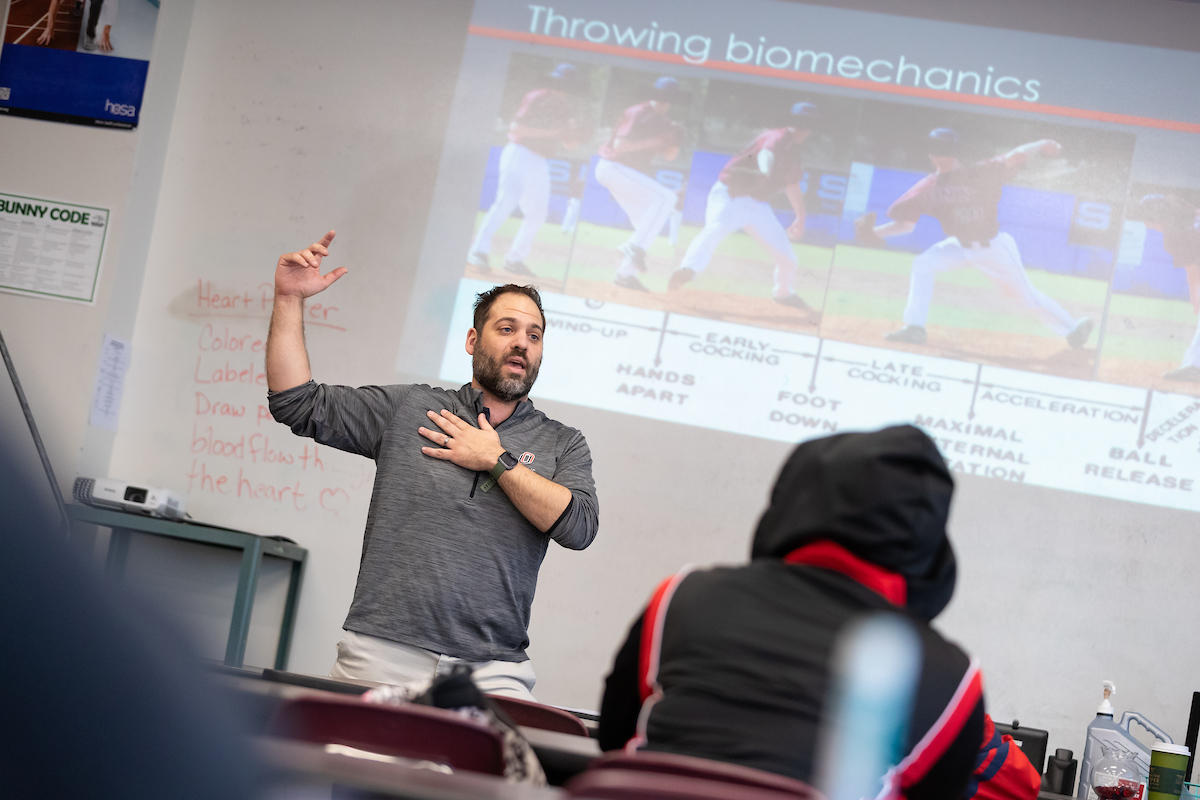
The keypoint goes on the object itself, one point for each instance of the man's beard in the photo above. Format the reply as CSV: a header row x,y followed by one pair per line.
x,y
488,371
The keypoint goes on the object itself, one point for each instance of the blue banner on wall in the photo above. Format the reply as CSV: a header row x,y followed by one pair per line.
x,y
77,61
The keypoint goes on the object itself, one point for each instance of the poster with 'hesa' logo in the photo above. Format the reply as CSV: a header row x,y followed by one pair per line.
x,y
78,61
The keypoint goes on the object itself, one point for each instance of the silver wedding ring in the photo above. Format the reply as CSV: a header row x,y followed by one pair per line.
x,y
446,442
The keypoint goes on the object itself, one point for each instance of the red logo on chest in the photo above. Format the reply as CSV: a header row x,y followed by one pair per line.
x,y
527,458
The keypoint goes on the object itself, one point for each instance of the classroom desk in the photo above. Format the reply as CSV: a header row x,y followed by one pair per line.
x,y
252,546
561,754
313,765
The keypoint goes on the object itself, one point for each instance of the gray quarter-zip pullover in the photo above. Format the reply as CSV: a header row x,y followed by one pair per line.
x,y
445,565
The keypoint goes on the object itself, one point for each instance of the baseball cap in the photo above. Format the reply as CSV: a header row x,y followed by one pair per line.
x,y
667,89
803,116
567,73
943,142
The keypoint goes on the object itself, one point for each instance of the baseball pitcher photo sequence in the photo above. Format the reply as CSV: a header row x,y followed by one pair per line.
x,y
979,238
972,235
1152,335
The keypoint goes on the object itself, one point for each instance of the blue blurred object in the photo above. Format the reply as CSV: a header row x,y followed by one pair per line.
x,y
877,663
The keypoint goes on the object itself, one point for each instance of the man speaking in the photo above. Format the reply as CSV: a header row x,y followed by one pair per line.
x,y
470,486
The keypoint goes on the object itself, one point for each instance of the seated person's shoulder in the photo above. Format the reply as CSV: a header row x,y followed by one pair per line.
x,y
942,655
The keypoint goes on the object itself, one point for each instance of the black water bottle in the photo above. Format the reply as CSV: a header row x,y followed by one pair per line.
x,y
1060,772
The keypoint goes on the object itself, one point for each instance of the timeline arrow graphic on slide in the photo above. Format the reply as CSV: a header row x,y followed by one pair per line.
x,y
812,381
957,379
1060,397
1145,417
662,335
672,366
975,391
605,321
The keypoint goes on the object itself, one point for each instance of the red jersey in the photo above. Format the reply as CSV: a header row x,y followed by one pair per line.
x,y
964,200
743,177
549,109
639,123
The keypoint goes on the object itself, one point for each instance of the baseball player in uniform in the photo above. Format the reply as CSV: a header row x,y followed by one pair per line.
x,y
964,199
547,117
741,200
625,169
1179,223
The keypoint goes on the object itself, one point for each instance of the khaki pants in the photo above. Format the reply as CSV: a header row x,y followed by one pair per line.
x,y
370,658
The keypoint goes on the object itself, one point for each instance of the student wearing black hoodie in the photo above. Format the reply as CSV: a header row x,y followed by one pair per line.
x,y
732,663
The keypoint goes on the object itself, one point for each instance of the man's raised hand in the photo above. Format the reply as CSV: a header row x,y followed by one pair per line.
x,y
298,274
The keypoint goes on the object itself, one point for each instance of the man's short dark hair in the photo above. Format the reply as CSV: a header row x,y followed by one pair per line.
x,y
484,300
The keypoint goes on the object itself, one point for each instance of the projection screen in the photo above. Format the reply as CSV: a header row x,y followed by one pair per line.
x,y
782,221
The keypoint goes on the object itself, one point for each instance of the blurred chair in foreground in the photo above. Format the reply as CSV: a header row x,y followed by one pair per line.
x,y
543,717
409,731
735,775
623,784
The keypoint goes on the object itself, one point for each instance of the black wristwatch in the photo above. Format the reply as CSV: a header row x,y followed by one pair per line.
x,y
503,464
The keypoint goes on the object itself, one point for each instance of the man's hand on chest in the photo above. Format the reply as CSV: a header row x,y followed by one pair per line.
x,y
460,443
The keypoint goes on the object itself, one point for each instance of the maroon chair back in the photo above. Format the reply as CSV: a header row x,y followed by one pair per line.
x,y
707,769
628,784
536,715
412,731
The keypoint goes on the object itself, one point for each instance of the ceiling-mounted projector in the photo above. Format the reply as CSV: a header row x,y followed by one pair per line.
x,y
121,496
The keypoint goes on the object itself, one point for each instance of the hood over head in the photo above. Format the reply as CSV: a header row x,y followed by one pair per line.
x,y
884,496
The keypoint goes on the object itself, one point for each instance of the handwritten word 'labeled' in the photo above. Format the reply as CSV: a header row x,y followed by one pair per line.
x,y
250,375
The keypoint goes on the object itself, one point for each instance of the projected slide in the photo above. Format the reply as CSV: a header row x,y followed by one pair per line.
x,y
779,241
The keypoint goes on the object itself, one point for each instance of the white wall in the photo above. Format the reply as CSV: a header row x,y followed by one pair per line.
x,y
55,345
280,135
295,117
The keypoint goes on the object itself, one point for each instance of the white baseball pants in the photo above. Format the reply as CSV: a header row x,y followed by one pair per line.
x,y
1000,261
571,215
369,658
723,215
674,221
646,202
525,182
